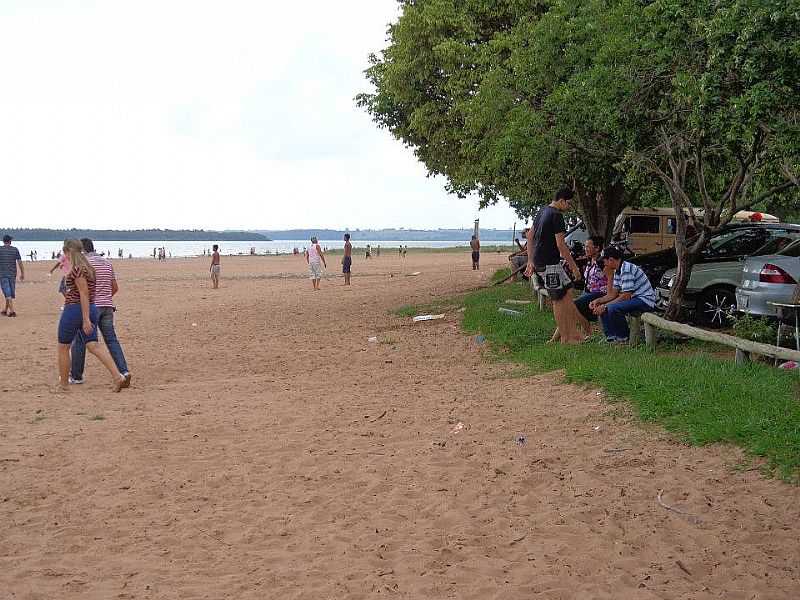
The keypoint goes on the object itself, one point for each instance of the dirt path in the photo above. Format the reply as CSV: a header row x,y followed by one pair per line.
x,y
268,450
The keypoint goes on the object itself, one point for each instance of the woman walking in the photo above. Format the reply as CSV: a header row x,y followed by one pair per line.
x,y
316,260
79,317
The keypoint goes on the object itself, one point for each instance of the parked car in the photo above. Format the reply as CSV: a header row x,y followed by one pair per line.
x,y
711,292
769,278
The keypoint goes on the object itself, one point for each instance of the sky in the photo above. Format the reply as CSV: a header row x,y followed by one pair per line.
x,y
200,114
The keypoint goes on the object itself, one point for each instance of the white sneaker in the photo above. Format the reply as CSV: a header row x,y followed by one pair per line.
x,y
75,381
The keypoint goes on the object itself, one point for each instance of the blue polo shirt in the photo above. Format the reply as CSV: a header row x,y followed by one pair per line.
x,y
9,256
630,278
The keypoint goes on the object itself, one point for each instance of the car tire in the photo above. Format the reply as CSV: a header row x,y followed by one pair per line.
x,y
715,306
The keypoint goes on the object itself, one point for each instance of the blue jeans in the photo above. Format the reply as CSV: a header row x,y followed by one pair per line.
x,y
582,304
8,285
105,323
614,324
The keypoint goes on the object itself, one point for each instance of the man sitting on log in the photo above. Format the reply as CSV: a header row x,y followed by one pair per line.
x,y
630,292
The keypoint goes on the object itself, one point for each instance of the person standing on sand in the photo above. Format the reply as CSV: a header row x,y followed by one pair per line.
x,y
546,248
104,289
475,244
316,260
347,259
10,262
79,318
215,267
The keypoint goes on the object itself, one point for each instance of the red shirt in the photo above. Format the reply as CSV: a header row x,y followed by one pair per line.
x,y
104,278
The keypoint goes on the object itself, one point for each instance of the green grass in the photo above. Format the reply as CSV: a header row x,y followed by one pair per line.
x,y
685,387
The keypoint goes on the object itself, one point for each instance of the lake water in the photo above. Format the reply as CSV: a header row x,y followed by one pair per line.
x,y
183,249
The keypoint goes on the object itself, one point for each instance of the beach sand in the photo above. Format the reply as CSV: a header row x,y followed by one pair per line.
x,y
267,449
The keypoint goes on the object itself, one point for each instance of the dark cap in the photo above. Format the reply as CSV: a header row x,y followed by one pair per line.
x,y
612,252
7,238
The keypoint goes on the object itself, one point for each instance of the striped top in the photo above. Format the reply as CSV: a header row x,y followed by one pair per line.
x,y
9,256
630,278
104,278
71,293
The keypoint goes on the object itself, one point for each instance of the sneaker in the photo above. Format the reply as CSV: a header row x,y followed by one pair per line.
x,y
127,382
75,381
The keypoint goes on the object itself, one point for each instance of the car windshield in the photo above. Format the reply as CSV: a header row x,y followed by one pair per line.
x,y
738,242
780,243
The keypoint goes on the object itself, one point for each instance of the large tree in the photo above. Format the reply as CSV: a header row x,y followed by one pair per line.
x,y
718,84
481,92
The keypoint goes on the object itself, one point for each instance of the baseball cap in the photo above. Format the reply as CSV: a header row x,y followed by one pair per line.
x,y
7,238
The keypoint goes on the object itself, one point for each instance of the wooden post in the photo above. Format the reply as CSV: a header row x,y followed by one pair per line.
x,y
636,329
742,357
650,337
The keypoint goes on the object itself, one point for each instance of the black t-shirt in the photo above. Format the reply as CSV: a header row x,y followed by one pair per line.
x,y
546,225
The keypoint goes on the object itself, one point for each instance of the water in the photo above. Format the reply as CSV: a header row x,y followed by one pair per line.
x,y
196,248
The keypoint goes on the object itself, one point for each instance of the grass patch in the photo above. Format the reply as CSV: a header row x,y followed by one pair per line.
x,y
97,418
435,307
683,386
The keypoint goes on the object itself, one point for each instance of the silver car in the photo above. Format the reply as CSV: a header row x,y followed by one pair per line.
x,y
711,292
770,278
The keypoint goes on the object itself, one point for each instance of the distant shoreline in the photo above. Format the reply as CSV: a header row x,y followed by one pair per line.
x,y
134,235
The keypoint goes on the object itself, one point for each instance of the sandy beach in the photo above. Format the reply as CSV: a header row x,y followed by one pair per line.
x,y
267,449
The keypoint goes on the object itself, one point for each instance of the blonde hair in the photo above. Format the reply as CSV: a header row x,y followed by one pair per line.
x,y
74,250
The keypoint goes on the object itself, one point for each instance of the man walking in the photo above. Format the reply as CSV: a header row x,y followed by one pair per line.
x,y
546,248
105,288
10,261
347,259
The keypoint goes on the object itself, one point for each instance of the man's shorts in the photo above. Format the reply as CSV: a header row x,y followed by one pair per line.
x,y
215,269
347,262
71,324
555,281
8,285
315,268
476,256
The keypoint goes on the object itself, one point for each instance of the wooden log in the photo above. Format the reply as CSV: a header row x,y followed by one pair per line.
x,y
715,337
514,272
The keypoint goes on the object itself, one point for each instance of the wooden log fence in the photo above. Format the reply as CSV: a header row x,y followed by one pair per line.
x,y
744,348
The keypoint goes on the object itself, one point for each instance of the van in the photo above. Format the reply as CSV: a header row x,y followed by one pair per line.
x,y
653,229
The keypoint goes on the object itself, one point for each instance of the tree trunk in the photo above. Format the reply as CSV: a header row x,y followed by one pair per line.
x,y
686,261
601,208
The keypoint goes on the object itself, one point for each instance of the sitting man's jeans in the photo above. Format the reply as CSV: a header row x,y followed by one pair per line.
x,y
614,324
582,304
105,323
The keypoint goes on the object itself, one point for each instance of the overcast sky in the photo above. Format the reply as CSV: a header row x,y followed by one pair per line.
x,y
216,115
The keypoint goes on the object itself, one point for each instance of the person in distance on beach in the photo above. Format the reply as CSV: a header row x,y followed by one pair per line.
x,y
475,244
105,287
80,316
10,262
347,259
316,260
215,267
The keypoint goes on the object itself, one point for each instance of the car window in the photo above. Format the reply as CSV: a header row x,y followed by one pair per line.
x,y
792,249
641,224
672,225
738,242
779,243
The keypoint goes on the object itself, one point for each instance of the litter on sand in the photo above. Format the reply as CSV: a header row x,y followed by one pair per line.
x,y
372,339
419,318
459,427
510,312
414,274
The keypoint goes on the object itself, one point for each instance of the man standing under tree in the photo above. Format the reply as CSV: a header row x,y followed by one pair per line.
x,y
347,259
546,248
10,261
475,244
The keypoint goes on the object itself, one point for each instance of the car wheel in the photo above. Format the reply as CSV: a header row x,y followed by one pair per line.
x,y
715,307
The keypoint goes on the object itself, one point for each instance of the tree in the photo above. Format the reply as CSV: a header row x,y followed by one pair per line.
x,y
718,83
481,92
